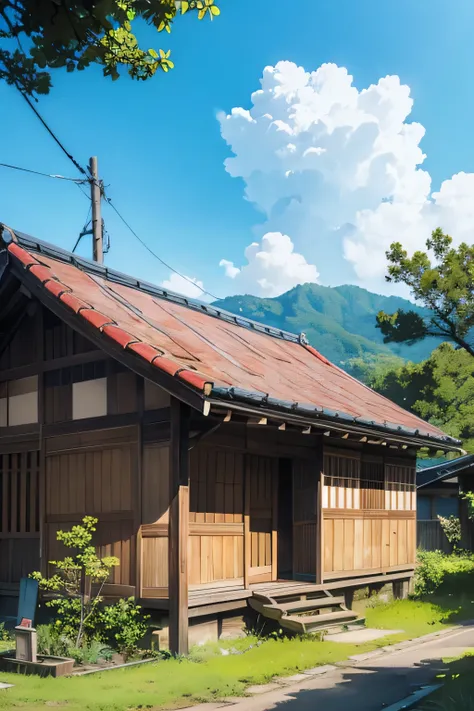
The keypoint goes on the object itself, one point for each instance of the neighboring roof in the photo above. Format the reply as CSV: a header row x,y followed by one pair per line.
x,y
444,471
429,462
219,355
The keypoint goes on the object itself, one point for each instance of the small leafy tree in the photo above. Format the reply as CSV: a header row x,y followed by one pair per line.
x,y
444,285
77,608
451,526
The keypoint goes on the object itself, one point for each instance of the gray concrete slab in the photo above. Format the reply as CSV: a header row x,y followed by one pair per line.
x,y
293,679
363,634
262,688
316,671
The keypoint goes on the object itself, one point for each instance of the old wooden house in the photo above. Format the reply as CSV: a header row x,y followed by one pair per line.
x,y
440,490
228,462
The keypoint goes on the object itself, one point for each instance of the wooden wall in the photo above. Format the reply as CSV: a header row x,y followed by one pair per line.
x,y
94,474
369,513
216,525
216,516
305,516
261,511
154,531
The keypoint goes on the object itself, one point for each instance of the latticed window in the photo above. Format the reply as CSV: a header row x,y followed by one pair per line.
x,y
367,483
341,482
400,487
19,493
372,484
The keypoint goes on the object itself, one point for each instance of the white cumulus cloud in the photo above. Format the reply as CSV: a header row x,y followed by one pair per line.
x,y
187,286
338,170
272,267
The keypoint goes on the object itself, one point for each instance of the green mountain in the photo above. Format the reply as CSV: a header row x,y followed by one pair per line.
x,y
338,321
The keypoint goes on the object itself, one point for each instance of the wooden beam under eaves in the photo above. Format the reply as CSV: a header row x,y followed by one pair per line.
x,y
307,430
257,421
228,416
345,436
282,427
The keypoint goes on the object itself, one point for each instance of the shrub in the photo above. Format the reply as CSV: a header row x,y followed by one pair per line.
x,y
124,625
4,633
429,573
90,653
51,643
434,566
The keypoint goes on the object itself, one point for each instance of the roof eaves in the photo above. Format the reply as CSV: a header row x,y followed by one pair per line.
x,y
313,412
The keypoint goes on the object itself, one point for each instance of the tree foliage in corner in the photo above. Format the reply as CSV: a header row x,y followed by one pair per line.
x,y
40,35
440,389
444,285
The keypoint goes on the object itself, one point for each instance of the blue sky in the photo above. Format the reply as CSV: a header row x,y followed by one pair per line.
x,y
162,154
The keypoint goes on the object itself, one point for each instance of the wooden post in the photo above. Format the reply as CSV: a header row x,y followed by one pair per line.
x,y
400,589
319,514
178,527
247,546
140,386
274,540
319,530
97,241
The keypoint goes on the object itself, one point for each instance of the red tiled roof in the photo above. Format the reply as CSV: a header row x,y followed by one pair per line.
x,y
197,348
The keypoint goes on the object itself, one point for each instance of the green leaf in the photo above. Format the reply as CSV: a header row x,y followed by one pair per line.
x,y
184,6
162,54
153,53
215,11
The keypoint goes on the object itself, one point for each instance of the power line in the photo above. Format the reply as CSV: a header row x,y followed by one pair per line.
x,y
52,134
165,264
45,175
108,200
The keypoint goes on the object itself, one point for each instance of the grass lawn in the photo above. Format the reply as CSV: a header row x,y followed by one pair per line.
x,y
208,674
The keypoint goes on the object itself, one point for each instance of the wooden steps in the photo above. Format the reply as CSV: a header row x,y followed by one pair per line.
x,y
302,611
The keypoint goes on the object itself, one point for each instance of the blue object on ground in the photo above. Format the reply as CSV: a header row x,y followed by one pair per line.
x,y
28,600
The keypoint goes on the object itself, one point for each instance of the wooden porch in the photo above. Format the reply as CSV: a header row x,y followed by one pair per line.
x,y
218,598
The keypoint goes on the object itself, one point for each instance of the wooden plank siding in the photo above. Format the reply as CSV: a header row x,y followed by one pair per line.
x,y
262,483
216,529
85,479
369,514
216,515
155,516
19,515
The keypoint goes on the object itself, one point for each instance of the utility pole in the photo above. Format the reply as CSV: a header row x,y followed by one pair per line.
x,y
96,195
